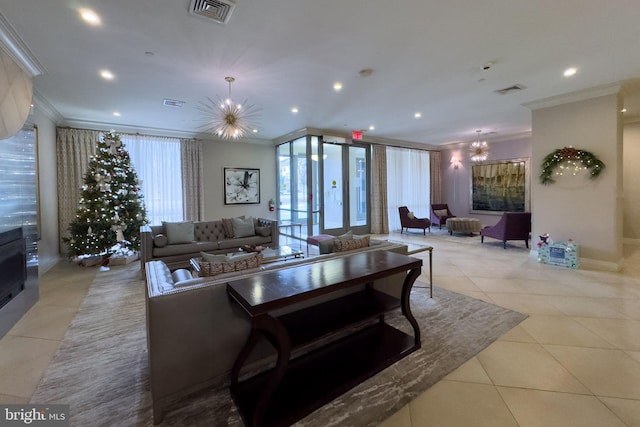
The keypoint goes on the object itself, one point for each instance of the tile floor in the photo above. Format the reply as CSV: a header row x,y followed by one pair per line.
x,y
574,362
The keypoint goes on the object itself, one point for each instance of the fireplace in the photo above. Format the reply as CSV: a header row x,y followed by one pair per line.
x,y
13,264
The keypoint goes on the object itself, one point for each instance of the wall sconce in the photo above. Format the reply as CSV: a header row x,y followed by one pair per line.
x,y
455,162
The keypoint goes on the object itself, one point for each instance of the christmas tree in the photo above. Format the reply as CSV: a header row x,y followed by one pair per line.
x,y
110,210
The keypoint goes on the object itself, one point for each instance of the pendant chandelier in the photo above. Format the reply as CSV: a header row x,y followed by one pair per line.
x,y
479,150
226,118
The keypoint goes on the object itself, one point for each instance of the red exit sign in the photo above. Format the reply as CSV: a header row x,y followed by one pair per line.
x,y
356,135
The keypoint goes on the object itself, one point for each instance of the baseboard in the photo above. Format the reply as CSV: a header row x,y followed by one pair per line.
x,y
45,265
630,241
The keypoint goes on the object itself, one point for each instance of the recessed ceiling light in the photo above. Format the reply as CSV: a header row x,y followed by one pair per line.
x,y
89,16
337,86
294,110
255,131
624,110
417,115
372,127
570,72
115,113
107,75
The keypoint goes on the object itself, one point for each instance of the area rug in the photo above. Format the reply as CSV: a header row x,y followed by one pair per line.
x,y
101,366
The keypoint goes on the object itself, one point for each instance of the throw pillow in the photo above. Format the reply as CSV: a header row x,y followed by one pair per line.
x,y
243,227
206,257
351,244
227,224
235,263
441,212
160,241
179,232
263,231
346,236
411,215
326,246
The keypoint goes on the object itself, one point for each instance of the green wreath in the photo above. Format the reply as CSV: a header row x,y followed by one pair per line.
x,y
554,159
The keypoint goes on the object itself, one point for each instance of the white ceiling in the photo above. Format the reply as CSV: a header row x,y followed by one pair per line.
x,y
426,56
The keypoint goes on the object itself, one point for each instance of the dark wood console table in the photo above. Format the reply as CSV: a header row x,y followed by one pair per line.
x,y
295,387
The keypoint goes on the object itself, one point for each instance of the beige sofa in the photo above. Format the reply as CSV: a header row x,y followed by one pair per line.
x,y
195,332
209,236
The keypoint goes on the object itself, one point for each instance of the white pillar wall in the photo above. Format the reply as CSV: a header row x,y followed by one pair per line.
x,y
577,207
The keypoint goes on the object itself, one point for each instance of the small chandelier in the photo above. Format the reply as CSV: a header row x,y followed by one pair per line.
x,y
479,151
227,119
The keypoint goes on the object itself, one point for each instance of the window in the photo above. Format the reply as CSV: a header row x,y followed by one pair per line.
x,y
158,166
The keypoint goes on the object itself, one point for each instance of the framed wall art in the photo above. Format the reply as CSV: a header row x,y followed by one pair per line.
x,y
241,186
500,186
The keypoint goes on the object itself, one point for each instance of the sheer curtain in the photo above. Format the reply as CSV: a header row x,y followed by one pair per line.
x,y
408,183
157,161
74,148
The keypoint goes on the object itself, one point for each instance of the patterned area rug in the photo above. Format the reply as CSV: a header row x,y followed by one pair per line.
x,y
101,366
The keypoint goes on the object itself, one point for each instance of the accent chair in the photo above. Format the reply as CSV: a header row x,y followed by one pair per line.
x,y
440,213
407,222
511,226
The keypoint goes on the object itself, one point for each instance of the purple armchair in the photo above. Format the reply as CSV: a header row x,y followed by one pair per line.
x,y
440,213
407,222
512,226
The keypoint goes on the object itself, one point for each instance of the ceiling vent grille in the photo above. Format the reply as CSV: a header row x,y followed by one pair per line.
x,y
217,10
515,88
172,103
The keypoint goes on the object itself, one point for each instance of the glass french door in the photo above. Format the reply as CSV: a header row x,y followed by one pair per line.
x,y
345,189
323,186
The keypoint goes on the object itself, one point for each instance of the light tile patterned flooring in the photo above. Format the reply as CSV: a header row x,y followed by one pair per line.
x,y
574,362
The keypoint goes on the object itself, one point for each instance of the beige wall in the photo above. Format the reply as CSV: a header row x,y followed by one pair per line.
x,y
48,252
588,211
234,154
631,178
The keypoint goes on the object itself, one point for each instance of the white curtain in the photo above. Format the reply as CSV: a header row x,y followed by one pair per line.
x,y
408,183
157,162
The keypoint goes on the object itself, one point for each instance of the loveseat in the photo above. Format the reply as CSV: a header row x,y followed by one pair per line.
x,y
176,243
195,332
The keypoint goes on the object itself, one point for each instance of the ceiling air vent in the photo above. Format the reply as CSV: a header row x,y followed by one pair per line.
x,y
172,103
217,10
511,89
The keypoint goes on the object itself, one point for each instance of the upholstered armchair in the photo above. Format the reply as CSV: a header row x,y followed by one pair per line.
x,y
512,226
407,222
440,213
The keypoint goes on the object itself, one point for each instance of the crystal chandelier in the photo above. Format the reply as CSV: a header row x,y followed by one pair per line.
x,y
479,151
226,118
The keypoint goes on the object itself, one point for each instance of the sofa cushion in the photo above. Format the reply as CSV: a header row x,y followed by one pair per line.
x,y
411,215
185,248
243,227
441,212
263,231
160,241
179,232
326,246
350,244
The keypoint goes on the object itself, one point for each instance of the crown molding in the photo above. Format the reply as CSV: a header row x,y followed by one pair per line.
x,y
43,104
18,50
580,95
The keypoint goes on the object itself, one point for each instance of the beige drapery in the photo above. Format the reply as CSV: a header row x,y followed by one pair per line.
x,y
74,148
379,203
436,176
192,179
